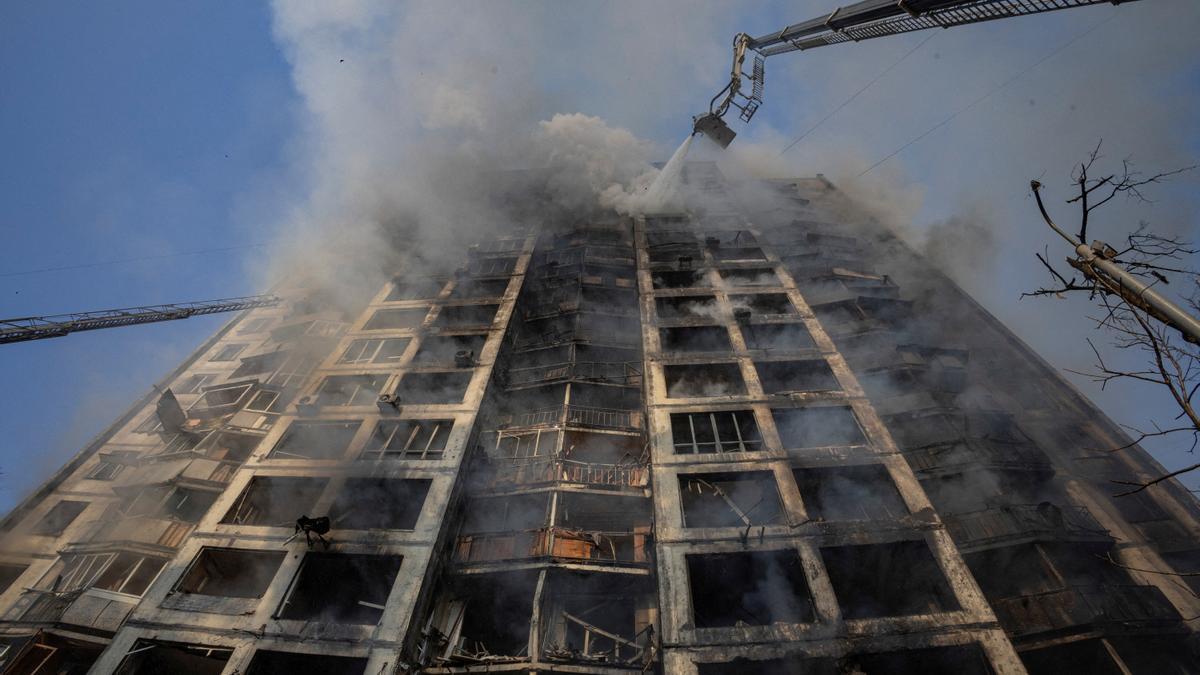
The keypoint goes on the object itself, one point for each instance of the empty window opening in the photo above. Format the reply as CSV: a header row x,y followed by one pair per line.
x,y
466,316
267,662
704,380
492,267
850,493
408,439
112,464
688,307
259,364
228,353
184,504
194,383
229,446
785,377
341,588
256,325
485,615
679,279
584,618
389,350
600,448
878,580
47,654
459,351
721,431
275,501
415,288
695,339
818,427
763,303
756,588
602,528
315,440
506,514
744,499
9,574
231,573
293,372
309,331
397,319
479,288
150,657
350,389
957,660
58,518
434,388
764,276
379,503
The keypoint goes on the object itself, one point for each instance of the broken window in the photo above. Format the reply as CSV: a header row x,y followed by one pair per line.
x,y
261,363
315,440
763,303
723,431
741,499
466,316
415,288
817,427
408,439
231,573
684,278
275,501
379,503
492,267
459,351
695,339
397,319
59,517
9,574
341,588
388,350
224,399
756,588
482,615
228,353
195,383
687,307
479,288
784,377
896,579
850,493
185,504
229,446
127,573
351,389
584,618
704,380
181,442
781,336
151,657
764,276
111,464
266,662
434,388
294,370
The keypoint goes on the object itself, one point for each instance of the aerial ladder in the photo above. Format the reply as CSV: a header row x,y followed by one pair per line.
x,y
852,23
42,327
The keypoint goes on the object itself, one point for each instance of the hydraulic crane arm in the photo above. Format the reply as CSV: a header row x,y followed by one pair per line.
x,y
860,21
40,327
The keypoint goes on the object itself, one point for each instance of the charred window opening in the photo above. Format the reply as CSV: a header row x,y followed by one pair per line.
x,y
450,350
255,325
695,339
602,528
184,504
275,501
267,662
341,588
483,615
957,660
408,439
704,380
784,377
506,514
294,371
687,307
58,518
415,288
434,388
784,666
466,316
850,493
9,574
47,654
1012,571
195,383
492,267
584,618
739,254
396,319
259,364
479,288
763,303
151,657
723,431
346,390
743,499
375,350
229,446
781,336
600,448
763,276
316,440
1082,656
228,352
756,588
818,427
231,573
679,279
380,503
878,580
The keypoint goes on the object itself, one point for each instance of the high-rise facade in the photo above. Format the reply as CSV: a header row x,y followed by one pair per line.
x,y
757,436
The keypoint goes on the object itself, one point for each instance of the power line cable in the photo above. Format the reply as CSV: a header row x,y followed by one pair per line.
x,y
994,90
855,94
129,260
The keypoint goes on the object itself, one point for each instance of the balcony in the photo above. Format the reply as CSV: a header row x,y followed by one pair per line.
x,y
556,544
577,416
977,453
569,471
143,530
1130,606
1022,522
613,372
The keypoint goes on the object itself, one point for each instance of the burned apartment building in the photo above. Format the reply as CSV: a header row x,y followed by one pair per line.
x,y
756,436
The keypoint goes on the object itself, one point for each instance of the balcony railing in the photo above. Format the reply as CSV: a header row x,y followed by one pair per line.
x,y
617,372
557,543
144,530
1084,605
577,415
570,471
1025,520
978,452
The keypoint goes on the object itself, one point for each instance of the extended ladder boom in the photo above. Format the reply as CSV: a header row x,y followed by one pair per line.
x,y
41,327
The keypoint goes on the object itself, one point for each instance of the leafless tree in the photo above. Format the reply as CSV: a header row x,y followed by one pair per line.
x,y
1171,357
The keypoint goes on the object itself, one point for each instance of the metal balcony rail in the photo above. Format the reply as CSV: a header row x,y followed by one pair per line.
x,y
616,372
578,415
976,451
621,548
1083,605
571,471
584,335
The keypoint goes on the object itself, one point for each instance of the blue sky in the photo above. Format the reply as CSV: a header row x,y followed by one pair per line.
x,y
140,129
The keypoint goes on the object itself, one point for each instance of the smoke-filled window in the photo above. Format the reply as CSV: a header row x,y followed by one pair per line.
x,y
59,517
408,439
741,499
687,307
434,388
756,588
415,288
685,278
450,350
777,336
267,662
228,353
818,427
492,267
720,431
755,276
379,504
695,339
231,573
763,303
466,316
155,656
396,319
850,493
704,380
478,288
315,440
344,390
783,377
374,350
895,579
275,501
341,588
259,364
